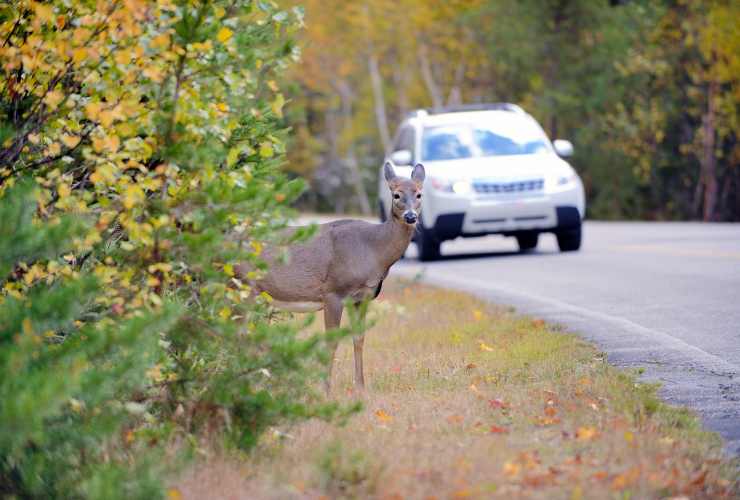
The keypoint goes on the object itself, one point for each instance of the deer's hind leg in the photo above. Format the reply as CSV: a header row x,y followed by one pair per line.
x,y
332,318
358,342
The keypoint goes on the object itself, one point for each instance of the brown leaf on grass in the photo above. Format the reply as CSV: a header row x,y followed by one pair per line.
x,y
600,475
455,419
700,478
495,429
545,421
627,478
551,411
512,469
498,403
471,366
382,416
538,323
586,433
539,480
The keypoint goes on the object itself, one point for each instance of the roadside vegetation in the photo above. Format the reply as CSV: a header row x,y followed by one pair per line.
x,y
139,152
469,400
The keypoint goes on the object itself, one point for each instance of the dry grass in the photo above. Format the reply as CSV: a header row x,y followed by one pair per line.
x,y
467,400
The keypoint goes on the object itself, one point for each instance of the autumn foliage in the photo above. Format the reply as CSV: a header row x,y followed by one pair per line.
x,y
154,127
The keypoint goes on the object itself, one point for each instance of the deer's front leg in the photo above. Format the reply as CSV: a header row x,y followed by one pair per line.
x,y
332,318
359,342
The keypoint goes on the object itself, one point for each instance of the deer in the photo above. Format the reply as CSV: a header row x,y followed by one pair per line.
x,y
346,262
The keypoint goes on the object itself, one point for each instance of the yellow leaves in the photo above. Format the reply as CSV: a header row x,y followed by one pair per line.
x,y
266,150
27,326
477,315
79,55
382,416
224,35
106,143
229,269
53,98
44,12
160,41
64,190
132,195
122,56
154,73
70,140
34,138
277,105
257,246
225,313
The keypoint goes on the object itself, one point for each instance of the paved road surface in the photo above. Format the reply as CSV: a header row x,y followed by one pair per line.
x,y
662,296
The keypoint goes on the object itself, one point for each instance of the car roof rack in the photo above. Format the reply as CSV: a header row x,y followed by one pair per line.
x,y
461,108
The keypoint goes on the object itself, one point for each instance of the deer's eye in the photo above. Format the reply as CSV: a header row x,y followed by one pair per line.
x,y
418,196
396,196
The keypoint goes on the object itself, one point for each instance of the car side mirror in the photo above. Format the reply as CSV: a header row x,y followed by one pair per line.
x,y
401,157
563,148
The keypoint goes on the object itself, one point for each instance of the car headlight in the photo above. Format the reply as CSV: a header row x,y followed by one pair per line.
x,y
448,186
564,180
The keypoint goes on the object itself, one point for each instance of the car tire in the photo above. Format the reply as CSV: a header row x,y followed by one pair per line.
x,y
527,241
427,244
381,211
569,240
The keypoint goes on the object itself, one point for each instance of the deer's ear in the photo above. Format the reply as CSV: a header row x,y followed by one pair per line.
x,y
388,172
418,174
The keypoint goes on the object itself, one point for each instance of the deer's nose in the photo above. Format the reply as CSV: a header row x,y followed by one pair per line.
x,y
410,217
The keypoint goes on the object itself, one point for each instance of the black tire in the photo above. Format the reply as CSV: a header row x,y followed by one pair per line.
x,y
527,241
569,240
381,211
427,244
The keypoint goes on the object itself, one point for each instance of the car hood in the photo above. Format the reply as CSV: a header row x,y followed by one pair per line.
x,y
500,168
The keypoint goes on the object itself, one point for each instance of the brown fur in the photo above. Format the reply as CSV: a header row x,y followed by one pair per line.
x,y
348,259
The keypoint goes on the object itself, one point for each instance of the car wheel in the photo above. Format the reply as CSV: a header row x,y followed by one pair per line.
x,y
381,211
569,240
527,241
428,245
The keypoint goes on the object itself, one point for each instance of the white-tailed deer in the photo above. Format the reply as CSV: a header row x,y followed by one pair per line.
x,y
346,260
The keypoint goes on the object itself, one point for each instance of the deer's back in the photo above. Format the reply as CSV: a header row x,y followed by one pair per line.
x,y
339,260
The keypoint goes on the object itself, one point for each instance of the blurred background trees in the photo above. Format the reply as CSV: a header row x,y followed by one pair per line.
x,y
647,90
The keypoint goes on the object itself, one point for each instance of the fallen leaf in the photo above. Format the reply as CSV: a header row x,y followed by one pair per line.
x,y
586,433
512,469
485,347
551,411
455,419
498,403
382,416
495,429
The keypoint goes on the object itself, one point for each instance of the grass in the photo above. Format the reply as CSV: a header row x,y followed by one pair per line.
x,y
469,400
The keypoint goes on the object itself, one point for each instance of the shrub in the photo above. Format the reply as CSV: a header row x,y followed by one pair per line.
x,y
160,124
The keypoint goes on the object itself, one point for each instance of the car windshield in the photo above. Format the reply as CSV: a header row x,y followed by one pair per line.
x,y
465,140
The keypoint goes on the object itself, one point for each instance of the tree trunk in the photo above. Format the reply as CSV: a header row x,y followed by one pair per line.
x,y
346,96
376,80
709,160
426,74
455,95
399,80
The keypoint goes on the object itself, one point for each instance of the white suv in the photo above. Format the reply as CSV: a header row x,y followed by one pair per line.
x,y
490,170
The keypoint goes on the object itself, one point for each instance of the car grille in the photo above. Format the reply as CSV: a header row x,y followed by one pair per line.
x,y
486,187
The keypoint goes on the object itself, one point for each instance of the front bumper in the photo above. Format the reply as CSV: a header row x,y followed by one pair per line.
x,y
459,216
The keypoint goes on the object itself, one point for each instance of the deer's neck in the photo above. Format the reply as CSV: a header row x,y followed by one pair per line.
x,y
393,238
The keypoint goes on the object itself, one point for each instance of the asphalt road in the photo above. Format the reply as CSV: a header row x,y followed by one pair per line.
x,y
661,296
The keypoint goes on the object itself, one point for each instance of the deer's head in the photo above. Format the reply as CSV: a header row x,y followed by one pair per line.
x,y
405,193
